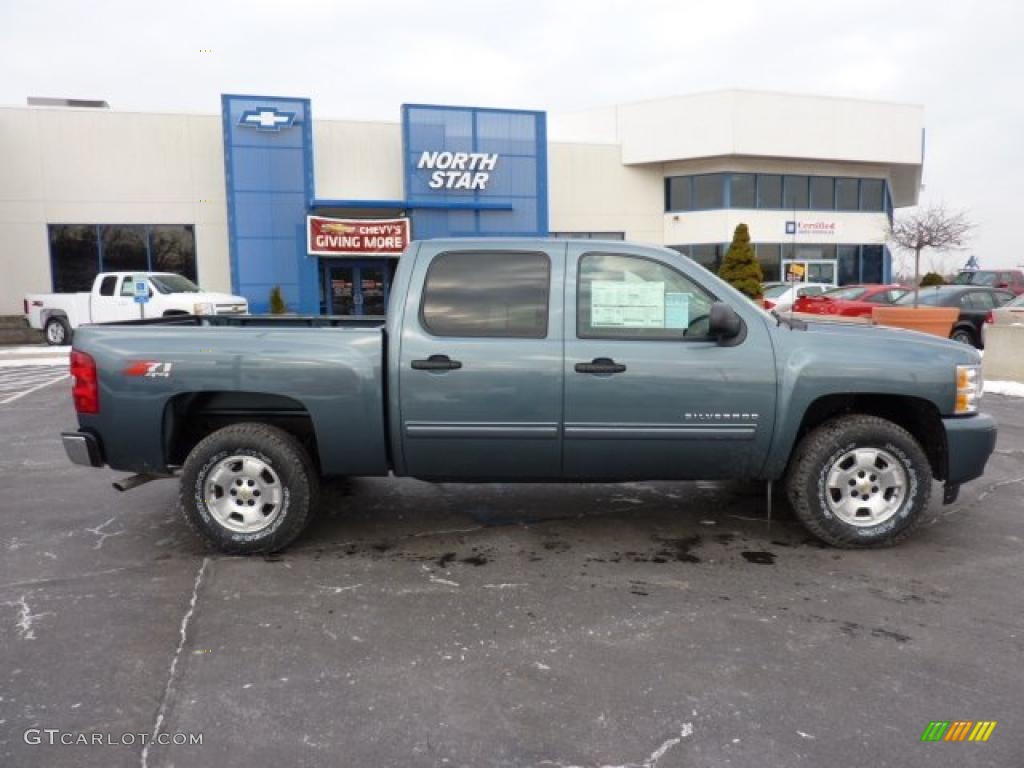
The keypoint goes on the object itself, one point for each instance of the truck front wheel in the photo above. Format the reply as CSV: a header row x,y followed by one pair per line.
x,y
859,481
248,488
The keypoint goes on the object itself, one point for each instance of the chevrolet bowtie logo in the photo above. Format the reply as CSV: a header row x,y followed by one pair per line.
x,y
266,119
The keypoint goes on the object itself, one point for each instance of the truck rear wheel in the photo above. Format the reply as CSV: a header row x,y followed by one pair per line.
x,y
248,488
859,481
57,332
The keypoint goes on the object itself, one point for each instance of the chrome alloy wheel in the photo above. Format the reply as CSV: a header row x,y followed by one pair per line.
x,y
865,486
244,494
55,333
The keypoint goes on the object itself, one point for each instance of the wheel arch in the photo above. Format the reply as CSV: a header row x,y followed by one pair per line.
x,y
920,417
190,416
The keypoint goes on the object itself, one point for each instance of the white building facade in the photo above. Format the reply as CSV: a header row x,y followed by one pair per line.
x,y
226,199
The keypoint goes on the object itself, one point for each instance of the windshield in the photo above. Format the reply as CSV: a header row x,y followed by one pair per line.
x,y
927,296
774,291
173,284
976,278
848,294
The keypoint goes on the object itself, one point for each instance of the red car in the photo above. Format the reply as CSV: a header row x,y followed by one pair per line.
x,y
849,300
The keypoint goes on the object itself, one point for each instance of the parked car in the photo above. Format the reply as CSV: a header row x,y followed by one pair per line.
x,y
112,299
780,296
1011,313
975,303
849,300
532,360
1009,279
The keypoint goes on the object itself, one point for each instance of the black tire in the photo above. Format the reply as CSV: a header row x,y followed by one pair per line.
x,y
964,335
57,332
277,449
806,480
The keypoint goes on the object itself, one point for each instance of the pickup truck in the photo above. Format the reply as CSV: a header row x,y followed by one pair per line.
x,y
535,360
112,299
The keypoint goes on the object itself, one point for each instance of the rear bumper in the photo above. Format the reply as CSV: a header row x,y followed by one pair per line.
x,y
82,448
969,442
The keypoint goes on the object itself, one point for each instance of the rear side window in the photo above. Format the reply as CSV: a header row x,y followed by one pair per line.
x,y
501,294
107,286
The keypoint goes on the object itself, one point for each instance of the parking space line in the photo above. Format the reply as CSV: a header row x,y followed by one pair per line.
x,y
29,391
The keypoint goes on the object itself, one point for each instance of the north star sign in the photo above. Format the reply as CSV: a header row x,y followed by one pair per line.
x,y
458,170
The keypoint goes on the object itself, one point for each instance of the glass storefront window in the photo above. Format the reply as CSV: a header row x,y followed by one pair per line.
x,y
708,255
679,193
769,191
822,193
769,256
847,195
75,255
708,191
79,252
741,190
849,264
871,266
872,195
794,193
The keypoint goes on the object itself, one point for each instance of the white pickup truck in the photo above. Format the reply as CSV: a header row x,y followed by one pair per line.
x,y
112,299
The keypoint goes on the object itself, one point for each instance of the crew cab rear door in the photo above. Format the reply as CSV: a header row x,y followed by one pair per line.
x,y
648,394
480,362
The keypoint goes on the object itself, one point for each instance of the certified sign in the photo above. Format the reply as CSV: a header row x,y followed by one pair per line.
x,y
356,237
820,228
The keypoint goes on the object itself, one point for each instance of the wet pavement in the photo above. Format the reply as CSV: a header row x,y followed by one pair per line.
x,y
418,625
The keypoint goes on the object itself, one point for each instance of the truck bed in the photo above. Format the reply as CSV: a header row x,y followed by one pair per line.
x,y
159,374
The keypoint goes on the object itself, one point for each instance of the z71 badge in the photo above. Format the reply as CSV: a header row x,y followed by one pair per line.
x,y
151,369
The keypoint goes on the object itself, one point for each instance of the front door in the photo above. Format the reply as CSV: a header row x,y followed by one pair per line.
x,y
480,367
648,394
356,288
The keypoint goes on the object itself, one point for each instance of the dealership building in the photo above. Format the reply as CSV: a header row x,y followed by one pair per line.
x,y
267,194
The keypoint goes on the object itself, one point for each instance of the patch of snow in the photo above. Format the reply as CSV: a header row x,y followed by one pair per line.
x,y
1008,388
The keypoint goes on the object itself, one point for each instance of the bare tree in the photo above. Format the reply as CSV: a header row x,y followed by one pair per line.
x,y
931,227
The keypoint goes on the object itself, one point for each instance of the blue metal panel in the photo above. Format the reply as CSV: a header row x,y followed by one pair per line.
x,y
515,200
268,170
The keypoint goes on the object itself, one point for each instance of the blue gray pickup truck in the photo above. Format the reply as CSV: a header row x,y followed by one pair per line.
x,y
532,360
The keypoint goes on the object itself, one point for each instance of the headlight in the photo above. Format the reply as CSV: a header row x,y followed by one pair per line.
x,y
969,386
203,308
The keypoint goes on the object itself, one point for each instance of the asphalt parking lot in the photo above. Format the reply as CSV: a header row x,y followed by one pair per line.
x,y
423,625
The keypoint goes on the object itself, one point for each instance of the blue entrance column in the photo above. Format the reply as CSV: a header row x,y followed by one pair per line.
x,y
268,172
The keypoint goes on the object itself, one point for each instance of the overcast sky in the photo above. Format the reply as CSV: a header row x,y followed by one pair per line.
x,y
963,61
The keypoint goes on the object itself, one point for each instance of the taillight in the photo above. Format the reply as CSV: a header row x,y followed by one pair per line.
x,y
989,318
85,390
769,304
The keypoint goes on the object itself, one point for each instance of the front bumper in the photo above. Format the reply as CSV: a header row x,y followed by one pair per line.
x,y
970,441
82,448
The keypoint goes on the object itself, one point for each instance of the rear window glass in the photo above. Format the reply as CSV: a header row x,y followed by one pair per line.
x,y
487,293
774,291
846,294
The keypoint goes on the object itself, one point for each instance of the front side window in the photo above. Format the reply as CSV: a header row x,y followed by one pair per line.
x,y
127,286
173,284
502,294
107,286
630,297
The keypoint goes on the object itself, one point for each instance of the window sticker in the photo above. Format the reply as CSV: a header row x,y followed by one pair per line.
x,y
677,310
631,304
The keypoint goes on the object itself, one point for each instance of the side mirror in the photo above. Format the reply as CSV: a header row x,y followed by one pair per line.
x,y
1002,285
723,322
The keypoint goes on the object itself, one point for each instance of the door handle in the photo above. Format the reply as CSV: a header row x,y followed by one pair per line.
x,y
436,363
600,365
